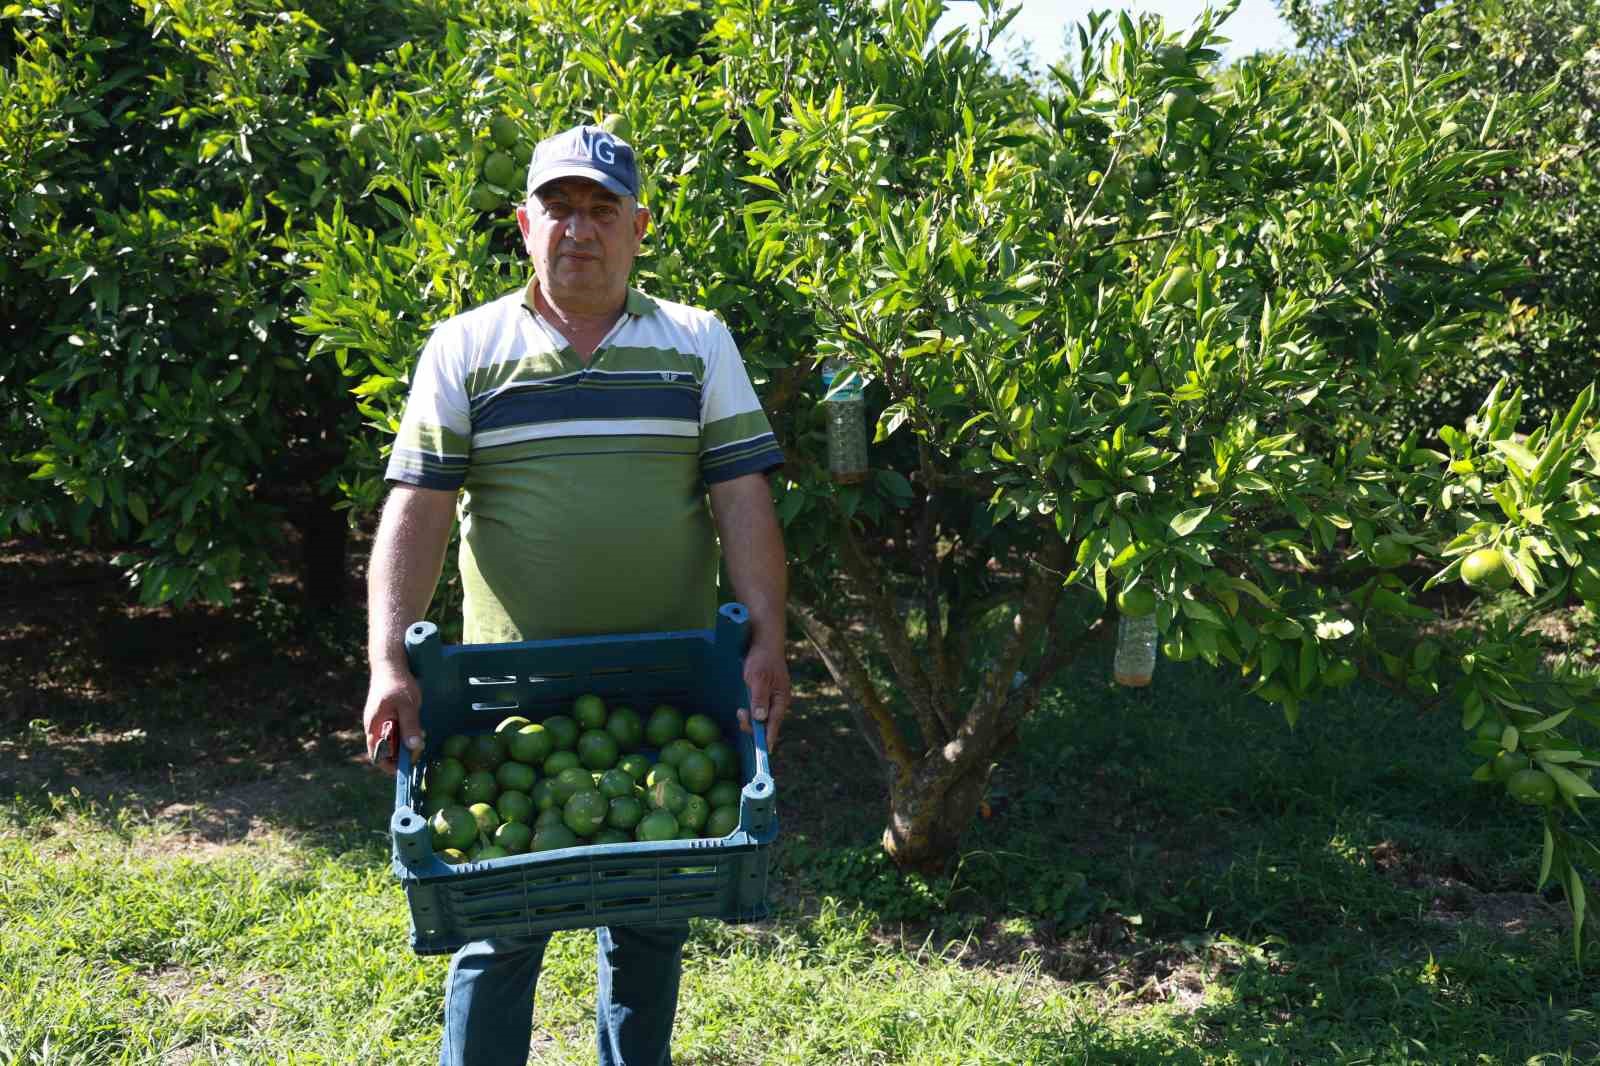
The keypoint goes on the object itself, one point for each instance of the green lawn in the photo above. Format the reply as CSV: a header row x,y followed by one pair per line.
x,y
1169,876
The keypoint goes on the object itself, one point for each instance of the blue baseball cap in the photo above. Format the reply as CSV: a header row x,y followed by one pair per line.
x,y
585,152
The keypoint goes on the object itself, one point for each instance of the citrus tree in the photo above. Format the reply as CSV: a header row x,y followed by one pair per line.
x,y
156,161
1126,337
1547,216
1130,333
1140,328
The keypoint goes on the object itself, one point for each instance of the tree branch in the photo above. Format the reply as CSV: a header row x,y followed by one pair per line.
x,y
869,579
1058,653
985,724
872,717
927,551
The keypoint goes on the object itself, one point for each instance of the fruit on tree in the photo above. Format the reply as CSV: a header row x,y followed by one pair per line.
x,y
483,198
1486,569
1180,102
1179,286
1533,787
427,148
1388,552
1509,763
503,131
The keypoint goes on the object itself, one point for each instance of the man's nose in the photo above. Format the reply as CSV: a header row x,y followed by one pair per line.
x,y
580,227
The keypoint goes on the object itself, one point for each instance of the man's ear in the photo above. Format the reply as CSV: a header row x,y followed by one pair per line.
x,y
523,221
641,222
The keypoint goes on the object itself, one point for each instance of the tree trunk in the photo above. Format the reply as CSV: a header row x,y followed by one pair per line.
x,y
929,812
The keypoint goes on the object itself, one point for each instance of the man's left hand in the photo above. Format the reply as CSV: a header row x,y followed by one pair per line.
x,y
766,674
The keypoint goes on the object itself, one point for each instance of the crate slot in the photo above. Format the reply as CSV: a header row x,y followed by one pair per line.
x,y
688,871
498,881
624,904
502,706
623,874
506,917
684,898
491,680
539,679
559,910
553,880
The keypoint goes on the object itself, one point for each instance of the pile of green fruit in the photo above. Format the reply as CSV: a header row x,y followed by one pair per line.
x,y
502,160
581,778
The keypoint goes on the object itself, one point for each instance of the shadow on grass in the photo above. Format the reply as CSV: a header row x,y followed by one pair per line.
x,y
1278,889
1334,893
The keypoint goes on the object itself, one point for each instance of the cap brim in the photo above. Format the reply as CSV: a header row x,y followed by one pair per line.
x,y
599,177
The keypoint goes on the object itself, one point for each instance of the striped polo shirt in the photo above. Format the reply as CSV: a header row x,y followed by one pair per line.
x,y
583,502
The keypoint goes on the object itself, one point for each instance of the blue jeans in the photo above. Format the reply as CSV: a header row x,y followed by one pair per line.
x,y
488,998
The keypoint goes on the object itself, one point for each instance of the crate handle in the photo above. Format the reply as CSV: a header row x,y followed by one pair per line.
x,y
413,837
763,767
758,796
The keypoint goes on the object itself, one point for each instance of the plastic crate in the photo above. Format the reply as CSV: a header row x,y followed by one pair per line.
x,y
470,688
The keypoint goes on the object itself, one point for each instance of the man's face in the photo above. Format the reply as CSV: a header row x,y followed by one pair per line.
x,y
582,239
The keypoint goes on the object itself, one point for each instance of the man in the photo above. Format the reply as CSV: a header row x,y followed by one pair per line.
x,y
583,424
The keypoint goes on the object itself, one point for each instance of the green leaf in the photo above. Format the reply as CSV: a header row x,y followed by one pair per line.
x,y
1549,855
1185,523
1575,895
1548,724
1517,454
1570,784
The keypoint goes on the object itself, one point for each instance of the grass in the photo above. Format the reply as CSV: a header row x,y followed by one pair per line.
x,y
193,869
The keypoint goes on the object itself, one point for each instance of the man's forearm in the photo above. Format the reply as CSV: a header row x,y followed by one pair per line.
x,y
407,558
752,545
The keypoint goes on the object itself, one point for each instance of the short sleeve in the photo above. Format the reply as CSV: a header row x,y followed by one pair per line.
x,y
735,437
434,442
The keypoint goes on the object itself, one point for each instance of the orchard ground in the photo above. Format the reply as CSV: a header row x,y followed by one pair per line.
x,y
194,870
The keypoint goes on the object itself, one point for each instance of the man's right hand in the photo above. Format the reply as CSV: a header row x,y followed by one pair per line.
x,y
393,699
